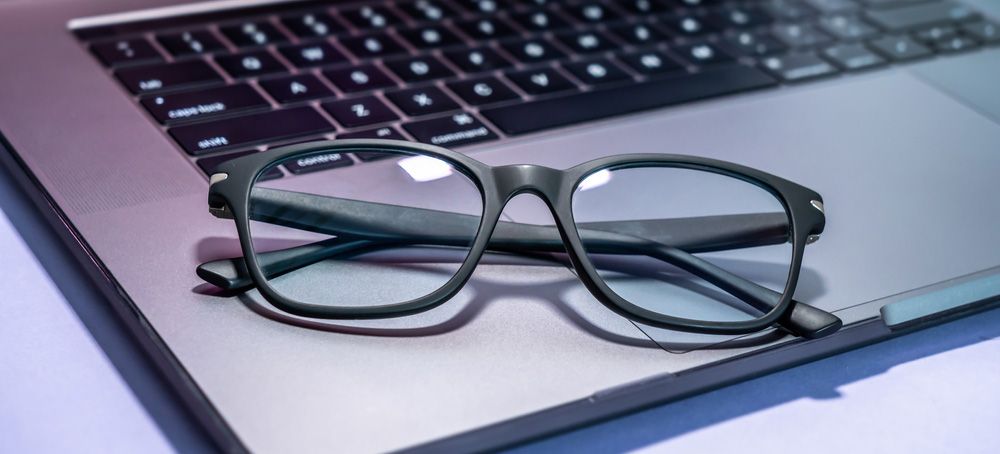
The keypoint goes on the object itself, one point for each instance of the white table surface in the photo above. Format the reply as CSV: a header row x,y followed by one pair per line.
x,y
59,392
68,383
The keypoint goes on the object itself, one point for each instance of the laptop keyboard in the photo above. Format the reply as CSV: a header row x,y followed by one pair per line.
x,y
460,72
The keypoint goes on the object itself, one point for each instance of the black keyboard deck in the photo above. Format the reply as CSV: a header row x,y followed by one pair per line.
x,y
458,72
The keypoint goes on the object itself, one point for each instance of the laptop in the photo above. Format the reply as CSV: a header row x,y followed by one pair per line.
x,y
113,113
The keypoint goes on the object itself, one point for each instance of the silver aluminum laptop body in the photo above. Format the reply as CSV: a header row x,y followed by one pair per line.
x,y
907,159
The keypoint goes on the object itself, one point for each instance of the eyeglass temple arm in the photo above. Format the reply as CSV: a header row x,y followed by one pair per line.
x,y
386,222
360,224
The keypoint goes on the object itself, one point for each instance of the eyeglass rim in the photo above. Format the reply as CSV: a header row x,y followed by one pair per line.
x,y
233,180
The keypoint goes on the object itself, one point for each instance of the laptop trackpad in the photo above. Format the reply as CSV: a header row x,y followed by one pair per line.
x,y
908,173
970,79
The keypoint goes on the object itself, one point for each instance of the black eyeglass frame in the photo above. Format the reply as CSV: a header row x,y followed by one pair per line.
x,y
232,182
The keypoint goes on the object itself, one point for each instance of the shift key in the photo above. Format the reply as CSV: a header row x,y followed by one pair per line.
x,y
250,129
199,104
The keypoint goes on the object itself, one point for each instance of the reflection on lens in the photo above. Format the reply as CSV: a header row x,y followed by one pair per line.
x,y
660,237
387,229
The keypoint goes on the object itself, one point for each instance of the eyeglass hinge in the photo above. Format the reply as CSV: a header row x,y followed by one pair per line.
x,y
818,205
221,212
216,206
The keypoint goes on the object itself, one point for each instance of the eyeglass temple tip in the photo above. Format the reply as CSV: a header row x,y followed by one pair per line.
x,y
811,322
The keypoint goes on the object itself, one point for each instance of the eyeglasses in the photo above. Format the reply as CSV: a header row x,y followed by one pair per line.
x,y
676,242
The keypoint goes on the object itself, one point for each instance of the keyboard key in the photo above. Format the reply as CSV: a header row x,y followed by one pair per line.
x,y
208,165
534,116
419,69
533,50
739,17
251,129
486,28
253,34
695,3
477,59
788,10
204,103
900,48
643,6
537,3
312,25
369,156
309,55
455,130
592,12
890,3
638,34
301,87
421,101
833,6
689,25
853,57
364,111
359,78
190,43
316,162
986,32
427,10
540,81
847,27
168,76
596,72
373,46
955,44
586,42
371,17
480,6
798,35
481,91
250,64
127,51
798,67
385,132
650,62
753,44
934,34
920,15
430,37
702,54
540,21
